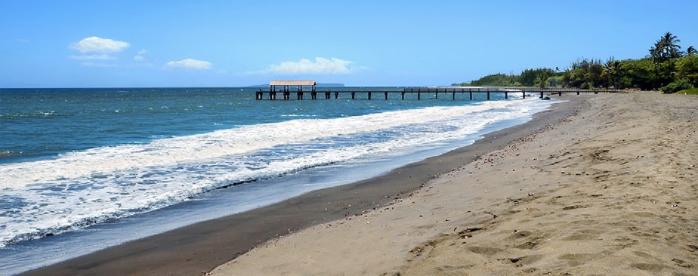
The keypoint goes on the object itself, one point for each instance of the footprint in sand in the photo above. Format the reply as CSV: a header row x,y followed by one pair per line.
x,y
648,267
681,263
523,260
520,234
453,269
532,242
532,239
584,234
578,259
572,207
422,250
484,250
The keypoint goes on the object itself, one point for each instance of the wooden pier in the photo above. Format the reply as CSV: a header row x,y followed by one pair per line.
x,y
302,89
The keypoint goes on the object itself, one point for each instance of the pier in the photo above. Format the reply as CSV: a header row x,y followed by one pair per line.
x,y
307,89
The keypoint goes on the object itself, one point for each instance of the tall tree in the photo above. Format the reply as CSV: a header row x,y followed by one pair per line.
x,y
531,77
586,73
543,79
690,50
612,72
667,47
687,69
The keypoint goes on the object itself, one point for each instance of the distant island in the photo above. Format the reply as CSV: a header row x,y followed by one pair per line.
x,y
318,85
666,68
330,85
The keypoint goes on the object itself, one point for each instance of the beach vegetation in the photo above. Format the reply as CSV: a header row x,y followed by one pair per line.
x,y
585,73
529,77
494,80
666,48
537,76
691,91
691,50
676,86
665,68
687,69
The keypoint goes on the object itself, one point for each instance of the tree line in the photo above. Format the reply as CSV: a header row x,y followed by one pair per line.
x,y
666,68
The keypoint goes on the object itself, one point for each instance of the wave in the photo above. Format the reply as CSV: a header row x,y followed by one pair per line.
x,y
9,153
80,189
27,115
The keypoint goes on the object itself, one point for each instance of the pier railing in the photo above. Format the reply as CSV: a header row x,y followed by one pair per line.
x,y
421,92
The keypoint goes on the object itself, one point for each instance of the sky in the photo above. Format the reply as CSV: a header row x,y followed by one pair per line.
x,y
238,43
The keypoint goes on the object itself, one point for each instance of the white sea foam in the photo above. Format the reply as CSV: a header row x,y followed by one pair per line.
x,y
86,187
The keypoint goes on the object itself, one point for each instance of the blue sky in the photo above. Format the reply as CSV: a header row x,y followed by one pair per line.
x,y
234,43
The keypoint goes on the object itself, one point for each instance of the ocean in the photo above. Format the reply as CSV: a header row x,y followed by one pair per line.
x,y
84,169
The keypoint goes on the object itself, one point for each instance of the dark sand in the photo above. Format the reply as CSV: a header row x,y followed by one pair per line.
x,y
198,248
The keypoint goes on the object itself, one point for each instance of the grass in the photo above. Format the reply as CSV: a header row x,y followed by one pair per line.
x,y
690,91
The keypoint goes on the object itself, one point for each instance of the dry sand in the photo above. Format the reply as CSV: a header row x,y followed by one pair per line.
x,y
609,190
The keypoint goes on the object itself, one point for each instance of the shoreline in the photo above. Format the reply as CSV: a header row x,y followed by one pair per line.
x,y
609,190
200,247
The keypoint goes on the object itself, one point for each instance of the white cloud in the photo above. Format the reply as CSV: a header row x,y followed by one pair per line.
x,y
98,45
189,63
306,66
95,48
140,56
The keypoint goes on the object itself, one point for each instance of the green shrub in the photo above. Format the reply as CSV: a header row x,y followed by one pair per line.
x,y
691,91
639,73
676,86
687,68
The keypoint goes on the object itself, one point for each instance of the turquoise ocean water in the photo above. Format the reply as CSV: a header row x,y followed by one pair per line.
x,y
78,166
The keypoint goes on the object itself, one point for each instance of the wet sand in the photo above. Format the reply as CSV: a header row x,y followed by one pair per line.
x,y
609,190
201,247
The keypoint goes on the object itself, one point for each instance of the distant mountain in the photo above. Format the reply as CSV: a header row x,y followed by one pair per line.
x,y
330,85
318,85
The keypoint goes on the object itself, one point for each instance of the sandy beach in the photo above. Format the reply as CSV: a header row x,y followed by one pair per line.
x,y
599,184
610,189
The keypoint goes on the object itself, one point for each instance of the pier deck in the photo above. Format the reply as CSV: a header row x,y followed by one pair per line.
x,y
418,93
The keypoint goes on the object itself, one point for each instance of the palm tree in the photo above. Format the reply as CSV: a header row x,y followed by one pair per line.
x,y
690,50
612,72
667,47
543,79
